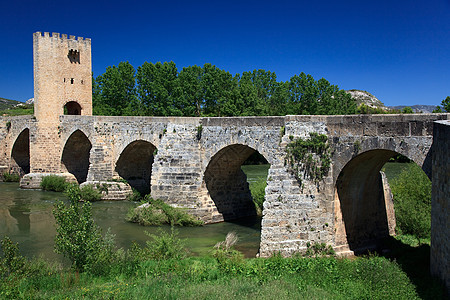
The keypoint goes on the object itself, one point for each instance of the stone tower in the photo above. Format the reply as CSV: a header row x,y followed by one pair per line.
x,y
62,76
62,85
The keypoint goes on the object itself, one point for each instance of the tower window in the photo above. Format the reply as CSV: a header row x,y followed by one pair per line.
x,y
71,80
74,56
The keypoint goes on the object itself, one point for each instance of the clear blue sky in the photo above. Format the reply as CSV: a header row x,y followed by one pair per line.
x,y
397,50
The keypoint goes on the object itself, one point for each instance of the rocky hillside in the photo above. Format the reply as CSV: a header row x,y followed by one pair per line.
x,y
363,97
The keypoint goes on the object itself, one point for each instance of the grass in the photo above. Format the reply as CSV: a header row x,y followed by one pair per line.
x,y
24,109
207,278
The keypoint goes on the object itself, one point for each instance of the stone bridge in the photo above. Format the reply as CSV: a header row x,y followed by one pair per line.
x,y
196,163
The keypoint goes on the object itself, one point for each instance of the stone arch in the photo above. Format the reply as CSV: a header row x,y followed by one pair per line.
x,y
72,108
75,155
227,184
20,153
364,211
135,165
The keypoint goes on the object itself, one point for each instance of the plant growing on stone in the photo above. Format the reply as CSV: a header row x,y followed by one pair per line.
x,y
319,249
54,183
199,132
309,157
7,177
88,193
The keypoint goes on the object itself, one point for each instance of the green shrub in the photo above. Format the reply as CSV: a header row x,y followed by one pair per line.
x,y
54,183
12,261
258,190
156,212
309,157
412,202
11,177
319,249
88,193
77,236
164,245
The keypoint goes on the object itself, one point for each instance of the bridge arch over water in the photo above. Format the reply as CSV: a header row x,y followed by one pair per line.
x,y
75,155
135,165
20,153
227,184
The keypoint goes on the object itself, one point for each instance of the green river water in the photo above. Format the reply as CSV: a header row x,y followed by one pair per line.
x,y
26,217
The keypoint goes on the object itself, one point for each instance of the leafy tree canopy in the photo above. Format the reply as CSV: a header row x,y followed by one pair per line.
x,y
161,90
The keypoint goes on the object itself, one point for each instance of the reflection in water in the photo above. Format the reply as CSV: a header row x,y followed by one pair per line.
x,y
26,217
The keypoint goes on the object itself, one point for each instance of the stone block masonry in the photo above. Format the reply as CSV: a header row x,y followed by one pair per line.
x,y
349,209
440,204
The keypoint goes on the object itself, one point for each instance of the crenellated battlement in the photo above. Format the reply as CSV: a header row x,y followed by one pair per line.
x,y
61,37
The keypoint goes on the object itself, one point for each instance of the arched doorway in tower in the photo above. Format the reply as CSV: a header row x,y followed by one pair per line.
x,y
365,213
75,156
228,185
135,165
20,154
72,108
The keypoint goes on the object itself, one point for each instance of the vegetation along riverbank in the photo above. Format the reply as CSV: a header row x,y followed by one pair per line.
x,y
164,269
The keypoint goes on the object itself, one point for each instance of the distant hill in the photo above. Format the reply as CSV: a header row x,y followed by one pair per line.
x,y
417,108
7,103
363,97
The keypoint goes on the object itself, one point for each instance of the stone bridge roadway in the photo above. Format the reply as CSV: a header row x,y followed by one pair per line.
x,y
195,163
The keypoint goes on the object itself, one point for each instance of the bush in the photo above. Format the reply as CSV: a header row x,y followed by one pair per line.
x,y
162,246
77,236
88,193
156,212
319,249
54,183
412,201
11,177
12,261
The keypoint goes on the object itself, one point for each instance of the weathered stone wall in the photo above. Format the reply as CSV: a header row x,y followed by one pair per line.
x,y
196,165
15,133
440,203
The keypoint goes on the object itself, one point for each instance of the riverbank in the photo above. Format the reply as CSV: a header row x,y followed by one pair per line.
x,y
368,277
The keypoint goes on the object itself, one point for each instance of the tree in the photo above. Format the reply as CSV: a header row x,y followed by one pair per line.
x,y
446,104
158,87
115,91
407,110
190,83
